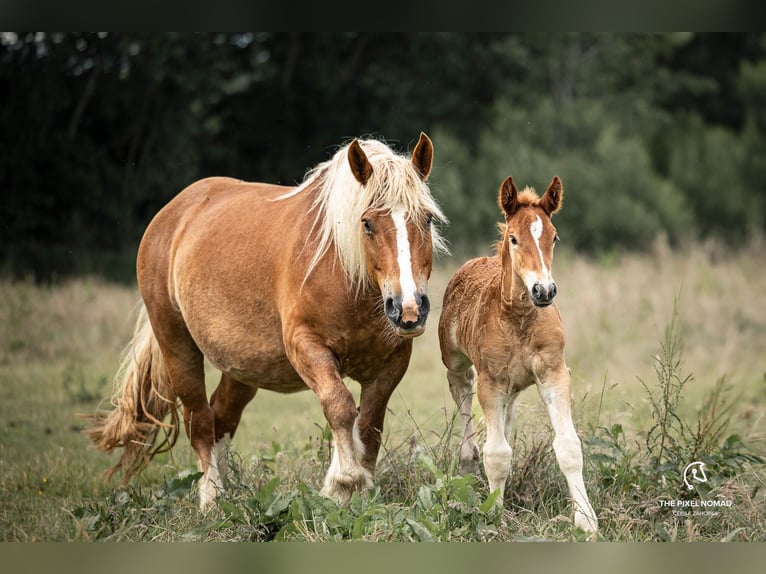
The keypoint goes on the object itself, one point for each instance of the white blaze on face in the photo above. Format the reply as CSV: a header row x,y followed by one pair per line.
x,y
404,258
544,277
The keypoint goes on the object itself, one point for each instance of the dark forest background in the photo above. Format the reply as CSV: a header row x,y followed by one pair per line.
x,y
654,135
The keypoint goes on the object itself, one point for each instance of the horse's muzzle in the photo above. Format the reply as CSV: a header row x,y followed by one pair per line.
x,y
409,322
543,295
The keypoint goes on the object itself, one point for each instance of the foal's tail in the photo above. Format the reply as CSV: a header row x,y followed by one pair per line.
x,y
142,398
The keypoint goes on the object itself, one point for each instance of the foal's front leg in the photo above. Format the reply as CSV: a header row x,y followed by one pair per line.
x,y
555,392
497,452
318,368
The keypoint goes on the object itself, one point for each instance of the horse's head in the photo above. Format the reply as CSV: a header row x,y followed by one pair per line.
x,y
529,237
399,241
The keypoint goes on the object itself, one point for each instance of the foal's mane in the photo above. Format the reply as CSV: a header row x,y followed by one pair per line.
x,y
340,201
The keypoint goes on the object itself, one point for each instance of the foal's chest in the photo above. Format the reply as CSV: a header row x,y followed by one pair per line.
x,y
506,356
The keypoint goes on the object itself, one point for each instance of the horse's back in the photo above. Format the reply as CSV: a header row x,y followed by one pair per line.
x,y
214,257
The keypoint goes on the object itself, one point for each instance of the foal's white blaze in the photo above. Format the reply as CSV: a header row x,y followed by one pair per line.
x,y
404,257
536,230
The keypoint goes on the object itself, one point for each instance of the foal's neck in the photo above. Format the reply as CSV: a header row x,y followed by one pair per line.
x,y
515,302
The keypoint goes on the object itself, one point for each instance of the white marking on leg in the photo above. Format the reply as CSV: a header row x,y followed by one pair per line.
x,y
211,482
566,445
346,472
358,444
404,257
497,452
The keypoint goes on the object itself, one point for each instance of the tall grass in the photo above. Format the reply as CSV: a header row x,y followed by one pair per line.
x,y
668,368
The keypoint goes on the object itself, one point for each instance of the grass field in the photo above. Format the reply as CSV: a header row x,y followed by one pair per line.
x,y
668,364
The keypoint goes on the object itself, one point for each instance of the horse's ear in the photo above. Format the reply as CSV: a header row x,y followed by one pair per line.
x,y
360,165
508,198
423,156
551,200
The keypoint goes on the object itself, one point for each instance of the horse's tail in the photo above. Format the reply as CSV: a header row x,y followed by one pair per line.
x,y
143,398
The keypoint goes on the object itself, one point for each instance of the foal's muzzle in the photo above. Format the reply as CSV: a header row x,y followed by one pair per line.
x,y
543,295
405,321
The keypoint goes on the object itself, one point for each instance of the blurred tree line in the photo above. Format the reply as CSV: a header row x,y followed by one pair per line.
x,y
652,134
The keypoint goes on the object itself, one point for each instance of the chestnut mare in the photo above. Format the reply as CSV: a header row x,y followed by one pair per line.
x,y
500,329
283,289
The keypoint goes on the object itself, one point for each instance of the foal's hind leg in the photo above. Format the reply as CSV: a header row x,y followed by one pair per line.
x,y
461,386
555,392
228,401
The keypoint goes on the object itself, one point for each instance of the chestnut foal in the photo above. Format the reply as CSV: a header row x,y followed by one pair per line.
x,y
500,330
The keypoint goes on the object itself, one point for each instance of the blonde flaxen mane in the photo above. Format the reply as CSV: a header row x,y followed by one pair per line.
x,y
340,202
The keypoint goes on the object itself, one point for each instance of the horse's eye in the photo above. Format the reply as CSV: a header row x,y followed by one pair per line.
x,y
514,241
429,220
367,227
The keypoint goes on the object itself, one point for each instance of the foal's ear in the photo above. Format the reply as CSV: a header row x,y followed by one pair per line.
x,y
360,165
508,198
551,199
423,156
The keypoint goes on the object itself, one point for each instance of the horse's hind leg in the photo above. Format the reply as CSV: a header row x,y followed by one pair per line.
x,y
461,386
228,401
185,366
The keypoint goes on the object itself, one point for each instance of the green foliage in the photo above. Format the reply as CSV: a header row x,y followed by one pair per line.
x,y
442,508
134,511
655,472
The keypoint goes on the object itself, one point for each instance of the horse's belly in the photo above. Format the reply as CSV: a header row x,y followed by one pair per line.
x,y
253,356
271,371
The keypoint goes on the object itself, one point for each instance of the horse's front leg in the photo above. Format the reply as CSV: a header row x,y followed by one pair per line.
x,y
318,367
374,401
555,391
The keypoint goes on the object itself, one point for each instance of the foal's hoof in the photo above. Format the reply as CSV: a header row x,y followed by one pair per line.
x,y
586,523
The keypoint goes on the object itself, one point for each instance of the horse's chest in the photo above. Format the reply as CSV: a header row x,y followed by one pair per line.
x,y
364,359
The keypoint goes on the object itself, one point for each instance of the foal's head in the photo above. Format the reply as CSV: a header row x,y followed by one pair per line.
x,y
529,236
399,239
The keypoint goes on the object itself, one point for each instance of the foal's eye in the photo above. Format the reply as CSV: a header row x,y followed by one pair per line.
x,y
367,227
514,241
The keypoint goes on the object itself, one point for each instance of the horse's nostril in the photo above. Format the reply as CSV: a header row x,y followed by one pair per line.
x,y
552,291
392,309
538,291
424,306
